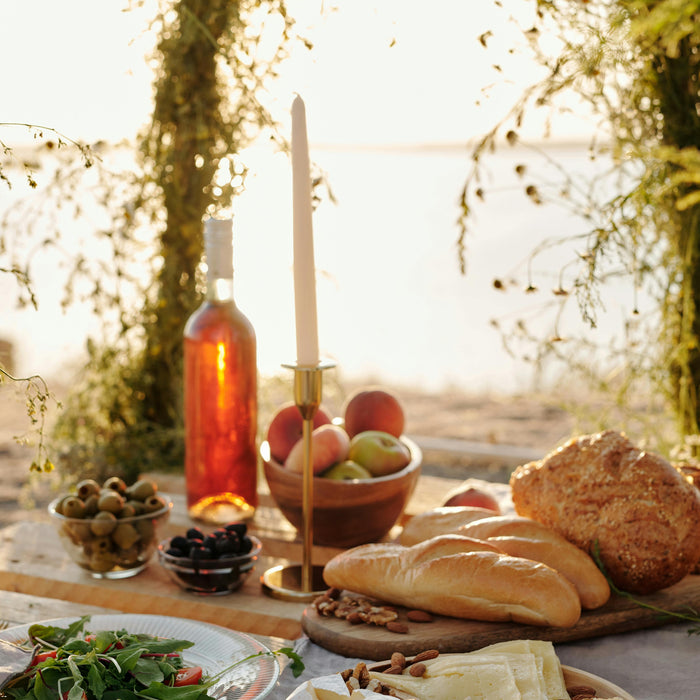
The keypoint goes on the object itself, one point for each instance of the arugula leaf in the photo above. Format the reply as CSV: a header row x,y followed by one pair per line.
x,y
95,681
297,665
166,692
148,671
56,636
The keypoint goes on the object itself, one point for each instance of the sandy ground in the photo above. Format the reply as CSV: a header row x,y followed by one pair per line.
x,y
461,436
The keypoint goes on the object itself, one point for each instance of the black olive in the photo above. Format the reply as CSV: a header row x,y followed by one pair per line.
x,y
194,533
228,545
201,553
246,545
239,528
179,542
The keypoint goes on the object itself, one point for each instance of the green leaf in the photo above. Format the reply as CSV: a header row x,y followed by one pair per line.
x,y
148,671
165,692
95,681
297,665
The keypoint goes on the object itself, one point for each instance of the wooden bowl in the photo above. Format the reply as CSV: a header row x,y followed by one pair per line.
x,y
345,513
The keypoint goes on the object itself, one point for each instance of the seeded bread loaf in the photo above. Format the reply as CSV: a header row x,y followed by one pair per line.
x,y
601,491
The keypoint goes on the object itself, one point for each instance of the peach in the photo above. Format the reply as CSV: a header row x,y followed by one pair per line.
x,y
373,409
286,428
468,493
329,445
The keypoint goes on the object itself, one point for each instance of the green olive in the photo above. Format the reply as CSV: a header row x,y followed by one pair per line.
x,y
125,535
101,562
146,529
128,511
103,523
110,501
59,504
99,545
128,558
79,533
137,506
91,505
73,507
115,483
86,488
154,503
142,489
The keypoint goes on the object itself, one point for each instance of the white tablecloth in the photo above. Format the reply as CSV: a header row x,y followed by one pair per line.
x,y
657,664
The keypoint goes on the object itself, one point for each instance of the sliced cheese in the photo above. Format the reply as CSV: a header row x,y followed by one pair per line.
x,y
458,678
553,676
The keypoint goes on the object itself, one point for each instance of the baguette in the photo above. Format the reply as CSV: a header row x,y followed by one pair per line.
x,y
460,577
522,537
439,521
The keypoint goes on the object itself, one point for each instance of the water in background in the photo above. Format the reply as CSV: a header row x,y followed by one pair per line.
x,y
392,303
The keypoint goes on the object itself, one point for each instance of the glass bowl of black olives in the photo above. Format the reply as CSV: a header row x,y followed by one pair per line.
x,y
111,530
210,564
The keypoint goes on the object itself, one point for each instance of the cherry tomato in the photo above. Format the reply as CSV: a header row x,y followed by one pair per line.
x,y
188,676
43,656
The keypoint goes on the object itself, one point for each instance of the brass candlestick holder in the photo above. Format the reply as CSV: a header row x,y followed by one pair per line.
x,y
293,581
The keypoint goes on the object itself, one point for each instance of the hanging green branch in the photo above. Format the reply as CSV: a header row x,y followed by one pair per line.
x,y
126,416
635,64
37,398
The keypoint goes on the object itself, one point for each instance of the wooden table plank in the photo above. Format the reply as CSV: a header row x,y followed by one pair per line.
x,y
32,561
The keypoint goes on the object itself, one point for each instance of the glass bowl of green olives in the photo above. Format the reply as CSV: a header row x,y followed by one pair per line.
x,y
111,530
210,564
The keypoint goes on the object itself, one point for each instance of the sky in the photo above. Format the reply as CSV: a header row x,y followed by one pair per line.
x,y
381,74
383,71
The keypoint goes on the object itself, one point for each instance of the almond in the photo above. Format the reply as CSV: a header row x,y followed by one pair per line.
x,y
417,670
419,616
397,627
398,659
425,656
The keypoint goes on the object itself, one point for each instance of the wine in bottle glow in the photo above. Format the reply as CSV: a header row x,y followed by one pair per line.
x,y
220,392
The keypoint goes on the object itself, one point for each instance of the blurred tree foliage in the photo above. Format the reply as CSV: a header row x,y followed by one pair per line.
x,y
635,64
124,415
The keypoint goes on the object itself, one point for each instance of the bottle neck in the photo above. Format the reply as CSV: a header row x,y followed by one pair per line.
x,y
220,289
219,254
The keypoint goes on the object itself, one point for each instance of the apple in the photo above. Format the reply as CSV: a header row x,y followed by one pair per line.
x,y
469,493
329,445
286,428
346,471
379,452
373,409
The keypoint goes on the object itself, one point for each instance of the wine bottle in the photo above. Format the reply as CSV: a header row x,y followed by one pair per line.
x,y
220,394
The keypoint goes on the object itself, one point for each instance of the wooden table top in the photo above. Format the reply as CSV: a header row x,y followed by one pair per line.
x,y
32,561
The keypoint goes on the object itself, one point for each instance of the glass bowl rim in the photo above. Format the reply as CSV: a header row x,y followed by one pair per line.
x,y
131,518
211,565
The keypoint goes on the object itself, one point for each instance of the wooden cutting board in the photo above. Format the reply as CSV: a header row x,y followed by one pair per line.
x,y
450,635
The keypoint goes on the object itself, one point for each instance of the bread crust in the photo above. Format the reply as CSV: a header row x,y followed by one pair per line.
x,y
460,577
600,491
524,537
439,521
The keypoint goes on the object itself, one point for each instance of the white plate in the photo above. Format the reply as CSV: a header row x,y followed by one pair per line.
x,y
215,648
604,689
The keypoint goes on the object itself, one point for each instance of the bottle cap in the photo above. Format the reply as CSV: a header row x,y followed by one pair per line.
x,y
218,244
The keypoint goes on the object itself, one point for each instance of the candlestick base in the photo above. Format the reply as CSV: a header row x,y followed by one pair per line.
x,y
302,582
287,583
